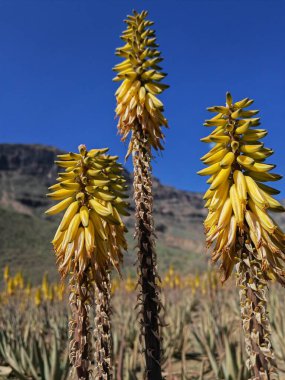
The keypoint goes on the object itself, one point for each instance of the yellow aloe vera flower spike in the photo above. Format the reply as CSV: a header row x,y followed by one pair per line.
x,y
239,227
91,192
141,76
238,200
140,117
45,286
6,273
38,297
88,243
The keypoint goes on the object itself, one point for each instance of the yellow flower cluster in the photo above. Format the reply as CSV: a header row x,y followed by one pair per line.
x,y
237,199
137,102
49,292
199,283
18,287
91,232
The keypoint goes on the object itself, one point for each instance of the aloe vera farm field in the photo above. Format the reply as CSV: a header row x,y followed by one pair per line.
x,y
142,206
203,339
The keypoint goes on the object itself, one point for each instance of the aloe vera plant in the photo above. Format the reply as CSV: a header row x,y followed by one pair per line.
x,y
88,243
140,114
35,355
203,338
239,227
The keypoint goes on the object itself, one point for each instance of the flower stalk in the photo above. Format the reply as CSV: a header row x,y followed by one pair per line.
x,y
79,325
238,225
103,341
89,243
147,269
140,114
253,301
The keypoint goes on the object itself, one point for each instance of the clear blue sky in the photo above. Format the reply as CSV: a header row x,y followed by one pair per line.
x,y
56,83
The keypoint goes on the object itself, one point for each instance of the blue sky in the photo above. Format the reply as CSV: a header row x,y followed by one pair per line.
x,y
56,81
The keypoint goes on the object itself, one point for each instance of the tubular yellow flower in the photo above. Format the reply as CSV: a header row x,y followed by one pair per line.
x,y
237,200
137,101
91,232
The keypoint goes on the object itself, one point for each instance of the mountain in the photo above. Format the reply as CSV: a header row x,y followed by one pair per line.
x,y
26,171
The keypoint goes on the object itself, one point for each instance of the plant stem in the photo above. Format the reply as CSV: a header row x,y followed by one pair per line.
x,y
102,331
253,302
79,324
147,266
